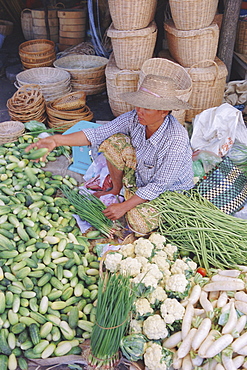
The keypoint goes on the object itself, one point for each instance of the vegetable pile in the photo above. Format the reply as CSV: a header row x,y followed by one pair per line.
x,y
195,225
48,277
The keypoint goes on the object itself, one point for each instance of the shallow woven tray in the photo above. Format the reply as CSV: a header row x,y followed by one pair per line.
x,y
10,131
80,63
43,76
73,100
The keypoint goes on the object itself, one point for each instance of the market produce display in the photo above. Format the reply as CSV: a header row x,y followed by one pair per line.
x,y
48,277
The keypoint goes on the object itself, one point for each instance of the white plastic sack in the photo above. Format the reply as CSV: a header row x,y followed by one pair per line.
x,y
216,129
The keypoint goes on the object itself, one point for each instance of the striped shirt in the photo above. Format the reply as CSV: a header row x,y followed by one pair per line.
x,y
164,161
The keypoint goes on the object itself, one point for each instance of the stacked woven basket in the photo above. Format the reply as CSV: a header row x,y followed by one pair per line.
x,y
39,26
27,104
192,36
133,34
10,131
53,82
37,53
66,111
87,72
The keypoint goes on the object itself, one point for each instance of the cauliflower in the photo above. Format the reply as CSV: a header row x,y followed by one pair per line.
x,y
158,294
112,261
136,326
156,357
143,261
154,327
161,261
150,277
130,266
143,307
158,240
171,310
179,267
171,251
127,250
177,283
143,247
192,265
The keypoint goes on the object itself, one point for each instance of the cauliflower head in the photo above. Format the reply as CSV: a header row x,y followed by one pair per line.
x,y
157,295
177,283
130,266
161,262
143,247
135,326
154,327
156,357
127,250
143,307
158,240
150,277
112,261
171,251
171,310
179,267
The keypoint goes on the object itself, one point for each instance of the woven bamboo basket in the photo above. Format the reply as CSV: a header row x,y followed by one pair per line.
x,y
132,48
39,22
40,13
165,67
119,81
53,82
10,131
73,100
241,38
27,24
193,14
89,89
37,53
6,27
27,104
132,14
208,86
190,47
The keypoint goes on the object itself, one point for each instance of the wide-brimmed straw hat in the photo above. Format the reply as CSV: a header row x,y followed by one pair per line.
x,y
156,92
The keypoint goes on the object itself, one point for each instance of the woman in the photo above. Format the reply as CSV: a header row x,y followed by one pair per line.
x,y
147,151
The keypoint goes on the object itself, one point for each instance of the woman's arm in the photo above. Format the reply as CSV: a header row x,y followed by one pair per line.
x,y
117,210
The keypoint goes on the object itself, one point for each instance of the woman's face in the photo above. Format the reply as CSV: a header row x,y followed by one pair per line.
x,y
150,117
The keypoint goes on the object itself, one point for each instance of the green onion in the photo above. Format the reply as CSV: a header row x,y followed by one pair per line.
x,y
195,225
114,304
90,208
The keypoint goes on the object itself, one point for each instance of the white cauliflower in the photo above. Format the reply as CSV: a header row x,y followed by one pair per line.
x,y
143,261
143,307
179,267
171,250
143,247
155,357
135,326
150,277
158,240
177,283
127,250
130,266
157,294
112,261
192,265
161,261
171,310
154,327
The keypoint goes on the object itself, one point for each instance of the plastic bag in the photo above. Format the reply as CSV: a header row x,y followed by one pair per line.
x,y
216,129
238,153
208,160
97,174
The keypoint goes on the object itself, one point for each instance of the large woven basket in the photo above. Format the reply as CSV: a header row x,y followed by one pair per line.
x,y
208,85
190,47
132,14
119,81
132,48
165,67
10,131
27,24
37,53
241,37
53,82
193,14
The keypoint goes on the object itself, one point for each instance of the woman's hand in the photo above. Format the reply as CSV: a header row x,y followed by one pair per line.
x,y
115,211
48,142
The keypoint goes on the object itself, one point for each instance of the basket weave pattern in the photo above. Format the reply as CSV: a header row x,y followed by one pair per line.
x,y
10,131
193,14
6,27
37,53
208,85
241,38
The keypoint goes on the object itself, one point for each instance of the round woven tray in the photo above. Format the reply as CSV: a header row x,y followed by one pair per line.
x,y
43,76
66,114
36,48
10,131
81,63
70,101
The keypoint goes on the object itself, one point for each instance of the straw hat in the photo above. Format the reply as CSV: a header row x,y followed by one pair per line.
x,y
156,92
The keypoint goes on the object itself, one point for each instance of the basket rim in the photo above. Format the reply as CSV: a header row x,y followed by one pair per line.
x,y
11,128
170,27
112,32
43,71
79,57
49,43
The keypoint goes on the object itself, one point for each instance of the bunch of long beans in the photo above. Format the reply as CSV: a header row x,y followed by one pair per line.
x,y
197,226
114,304
90,208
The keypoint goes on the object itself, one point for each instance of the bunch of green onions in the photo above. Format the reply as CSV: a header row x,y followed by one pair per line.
x,y
195,225
90,208
114,304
